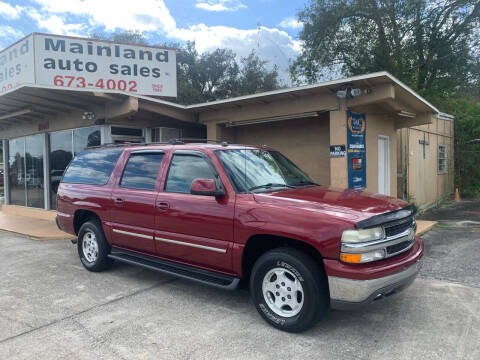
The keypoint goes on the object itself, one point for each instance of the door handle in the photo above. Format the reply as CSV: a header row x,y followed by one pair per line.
x,y
163,205
118,201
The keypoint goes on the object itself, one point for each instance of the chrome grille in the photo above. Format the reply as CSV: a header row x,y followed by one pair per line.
x,y
398,227
397,248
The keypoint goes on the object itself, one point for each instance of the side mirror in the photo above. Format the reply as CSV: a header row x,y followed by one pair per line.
x,y
206,187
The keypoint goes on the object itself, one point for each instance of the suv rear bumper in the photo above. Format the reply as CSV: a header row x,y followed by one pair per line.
x,y
373,281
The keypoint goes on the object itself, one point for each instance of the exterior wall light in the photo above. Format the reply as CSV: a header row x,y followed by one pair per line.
x,y
355,92
88,115
349,93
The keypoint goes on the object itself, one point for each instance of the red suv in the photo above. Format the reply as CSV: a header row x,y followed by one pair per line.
x,y
220,214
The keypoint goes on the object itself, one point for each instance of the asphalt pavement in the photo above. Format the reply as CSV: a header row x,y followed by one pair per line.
x,y
52,308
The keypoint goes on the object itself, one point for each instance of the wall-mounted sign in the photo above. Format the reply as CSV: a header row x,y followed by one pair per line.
x,y
43,125
337,151
78,63
17,65
356,151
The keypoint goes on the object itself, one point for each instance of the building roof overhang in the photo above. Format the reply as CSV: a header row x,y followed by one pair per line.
x,y
29,103
390,95
403,93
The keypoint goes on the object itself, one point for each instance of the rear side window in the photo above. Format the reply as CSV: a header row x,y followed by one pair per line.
x,y
184,169
92,167
141,171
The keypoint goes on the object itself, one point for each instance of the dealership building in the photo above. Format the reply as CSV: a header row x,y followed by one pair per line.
x,y
60,95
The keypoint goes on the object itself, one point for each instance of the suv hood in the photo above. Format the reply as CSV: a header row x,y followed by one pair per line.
x,y
350,205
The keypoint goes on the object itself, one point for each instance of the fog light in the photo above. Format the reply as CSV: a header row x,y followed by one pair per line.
x,y
363,257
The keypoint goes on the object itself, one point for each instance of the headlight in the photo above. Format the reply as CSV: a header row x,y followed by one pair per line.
x,y
362,235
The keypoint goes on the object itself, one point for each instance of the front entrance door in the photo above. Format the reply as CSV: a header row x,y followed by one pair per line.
x,y
383,164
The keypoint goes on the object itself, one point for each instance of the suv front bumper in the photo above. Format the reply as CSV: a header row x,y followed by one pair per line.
x,y
373,281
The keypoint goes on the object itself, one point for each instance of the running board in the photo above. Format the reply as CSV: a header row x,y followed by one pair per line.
x,y
182,271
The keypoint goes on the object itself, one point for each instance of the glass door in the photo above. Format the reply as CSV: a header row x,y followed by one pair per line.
x,y
16,171
34,146
60,157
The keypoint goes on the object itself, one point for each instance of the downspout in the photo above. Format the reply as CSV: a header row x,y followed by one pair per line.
x,y
407,166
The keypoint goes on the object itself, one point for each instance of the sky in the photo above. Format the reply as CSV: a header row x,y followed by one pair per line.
x,y
267,26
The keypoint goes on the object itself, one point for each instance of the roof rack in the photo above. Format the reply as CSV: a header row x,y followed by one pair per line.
x,y
169,142
113,145
221,142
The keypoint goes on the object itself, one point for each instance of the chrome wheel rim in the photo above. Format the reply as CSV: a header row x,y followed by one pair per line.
x,y
90,246
283,292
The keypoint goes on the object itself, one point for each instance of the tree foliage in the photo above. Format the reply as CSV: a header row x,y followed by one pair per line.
x,y
211,75
127,37
426,44
467,145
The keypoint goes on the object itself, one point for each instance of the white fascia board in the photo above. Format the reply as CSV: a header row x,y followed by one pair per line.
x,y
445,116
319,85
254,96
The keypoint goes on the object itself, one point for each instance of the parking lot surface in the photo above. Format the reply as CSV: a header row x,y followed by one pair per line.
x,y
52,308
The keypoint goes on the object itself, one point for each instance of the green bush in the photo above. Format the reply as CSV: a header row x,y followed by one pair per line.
x,y
467,151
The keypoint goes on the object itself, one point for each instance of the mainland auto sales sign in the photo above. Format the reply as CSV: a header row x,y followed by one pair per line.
x,y
87,64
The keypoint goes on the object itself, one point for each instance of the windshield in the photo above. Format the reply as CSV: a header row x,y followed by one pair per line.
x,y
261,170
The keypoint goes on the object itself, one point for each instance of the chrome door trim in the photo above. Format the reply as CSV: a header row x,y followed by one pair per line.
x,y
149,237
191,244
63,214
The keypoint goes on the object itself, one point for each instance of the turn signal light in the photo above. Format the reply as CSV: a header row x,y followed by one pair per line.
x,y
351,258
363,257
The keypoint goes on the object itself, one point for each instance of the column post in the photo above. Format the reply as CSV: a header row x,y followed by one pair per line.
x,y
6,185
46,171
338,136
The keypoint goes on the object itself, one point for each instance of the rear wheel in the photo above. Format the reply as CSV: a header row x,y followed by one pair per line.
x,y
92,246
289,289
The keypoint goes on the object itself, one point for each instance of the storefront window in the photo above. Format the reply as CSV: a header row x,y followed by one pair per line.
x,y
26,163
60,157
86,137
34,146
63,146
16,171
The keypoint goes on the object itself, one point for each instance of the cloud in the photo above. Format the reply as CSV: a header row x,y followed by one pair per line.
x,y
291,23
143,15
220,5
271,44
9,35
9,11
79,17
56,24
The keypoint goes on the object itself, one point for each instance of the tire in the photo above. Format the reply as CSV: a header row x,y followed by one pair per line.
x,y
270,278
92,246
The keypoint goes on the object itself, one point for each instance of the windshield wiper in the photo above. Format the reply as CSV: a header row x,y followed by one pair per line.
x,y
271,185
305,183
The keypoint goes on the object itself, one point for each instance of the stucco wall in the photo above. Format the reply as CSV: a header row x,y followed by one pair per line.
x,y
304,141
425,184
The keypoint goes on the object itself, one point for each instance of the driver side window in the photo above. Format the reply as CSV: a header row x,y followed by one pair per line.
x,y
185,168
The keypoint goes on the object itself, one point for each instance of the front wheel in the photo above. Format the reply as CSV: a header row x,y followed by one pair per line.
x,y
289,289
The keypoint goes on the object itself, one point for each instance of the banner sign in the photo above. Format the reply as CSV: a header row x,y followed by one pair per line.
x,y
337,151
356,151
77,63
16,65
